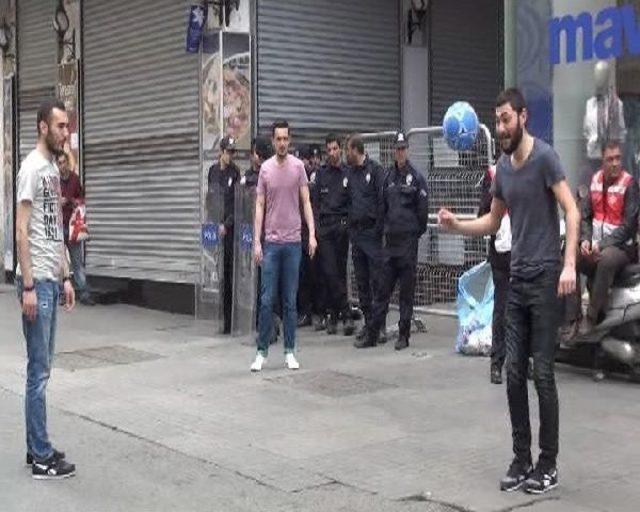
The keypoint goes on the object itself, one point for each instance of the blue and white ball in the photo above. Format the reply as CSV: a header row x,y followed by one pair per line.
x,y
460,126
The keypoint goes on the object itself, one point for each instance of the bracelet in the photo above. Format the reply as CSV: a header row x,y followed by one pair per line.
x,y
29,288
65,279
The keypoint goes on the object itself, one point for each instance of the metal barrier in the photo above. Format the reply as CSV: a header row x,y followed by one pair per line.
x,y
453,180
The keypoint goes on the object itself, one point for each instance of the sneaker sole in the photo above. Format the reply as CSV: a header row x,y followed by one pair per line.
x,y
56,477
513,488
541,491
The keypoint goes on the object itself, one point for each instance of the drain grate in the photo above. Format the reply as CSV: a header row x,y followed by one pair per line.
x,y
101,357
332,384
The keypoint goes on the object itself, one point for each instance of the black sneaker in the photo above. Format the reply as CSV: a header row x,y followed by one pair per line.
x,y
52,469
541,480
496,373
402,342
321,324
362,333
304,321
56,455
87,301
516,475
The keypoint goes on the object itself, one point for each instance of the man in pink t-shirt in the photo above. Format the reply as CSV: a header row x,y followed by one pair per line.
x,y
282,188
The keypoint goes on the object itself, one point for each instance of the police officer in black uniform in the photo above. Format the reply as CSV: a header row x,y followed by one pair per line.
x,y
366,223
332,200
405,220
222,179
319,295
305,288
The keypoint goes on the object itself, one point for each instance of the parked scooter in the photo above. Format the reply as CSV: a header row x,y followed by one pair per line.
x,y
617,337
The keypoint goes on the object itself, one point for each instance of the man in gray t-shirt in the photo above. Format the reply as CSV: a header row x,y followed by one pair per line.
x,y
42,263
529,184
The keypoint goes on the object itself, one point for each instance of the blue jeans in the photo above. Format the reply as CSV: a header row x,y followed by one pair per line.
x,y
40,337
280,268
75,255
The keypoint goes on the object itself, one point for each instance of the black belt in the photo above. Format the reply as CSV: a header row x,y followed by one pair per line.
x,y
332,220
362,224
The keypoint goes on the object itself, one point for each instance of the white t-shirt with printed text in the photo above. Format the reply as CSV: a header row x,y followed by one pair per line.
x,y
39,183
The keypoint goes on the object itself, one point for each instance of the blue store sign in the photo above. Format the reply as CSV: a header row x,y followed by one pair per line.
x,y
604,35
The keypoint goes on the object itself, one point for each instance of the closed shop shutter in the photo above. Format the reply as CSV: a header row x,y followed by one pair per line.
x,y
141,150
37,47
464,56
330,65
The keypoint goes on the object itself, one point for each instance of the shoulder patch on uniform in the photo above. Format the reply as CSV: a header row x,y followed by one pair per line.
x,y
423,193
312,177
368,177
409,179
229,182
345,182
243,180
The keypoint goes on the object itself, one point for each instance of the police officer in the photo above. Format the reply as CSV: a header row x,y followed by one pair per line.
x,y
222,179
332,200
319,295
366,222
405,220
261,151
305,287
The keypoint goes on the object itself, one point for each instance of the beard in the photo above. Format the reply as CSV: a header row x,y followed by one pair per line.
x,y
54,147
514,140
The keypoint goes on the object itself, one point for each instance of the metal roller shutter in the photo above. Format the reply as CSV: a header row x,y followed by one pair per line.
x,y
464,56
330,65
37,48
141,148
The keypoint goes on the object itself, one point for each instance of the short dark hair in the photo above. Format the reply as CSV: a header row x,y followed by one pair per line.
x,y
45,110
280,123
331,137
611,144
514,97
356,142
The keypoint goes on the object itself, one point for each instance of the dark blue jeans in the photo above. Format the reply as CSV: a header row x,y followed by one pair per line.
x,y
280,269
40,337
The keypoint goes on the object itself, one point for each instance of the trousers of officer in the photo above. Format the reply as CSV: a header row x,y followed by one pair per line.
x,y
400,261
368,261
333,250
228,279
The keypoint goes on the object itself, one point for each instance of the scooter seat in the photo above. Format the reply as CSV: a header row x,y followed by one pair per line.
x,y
629,276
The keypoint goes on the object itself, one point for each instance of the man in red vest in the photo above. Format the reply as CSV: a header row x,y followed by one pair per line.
x,y
608,231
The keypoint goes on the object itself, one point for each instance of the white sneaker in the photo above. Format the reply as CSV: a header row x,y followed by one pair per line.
x,y
256,366
291,362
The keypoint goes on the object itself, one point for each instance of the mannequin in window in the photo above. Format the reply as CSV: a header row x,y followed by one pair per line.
x,y
603,117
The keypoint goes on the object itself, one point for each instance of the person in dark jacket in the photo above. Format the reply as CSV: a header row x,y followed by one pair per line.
x,y
406,212
222,179
366,224
499,256
608,230
332,200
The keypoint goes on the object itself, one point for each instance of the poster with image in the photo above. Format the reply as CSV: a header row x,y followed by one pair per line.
x,y
237,88
239,17
211,92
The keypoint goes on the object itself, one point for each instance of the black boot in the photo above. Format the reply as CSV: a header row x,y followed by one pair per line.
x,y
348,326
402,342
370,340
382,339
332,324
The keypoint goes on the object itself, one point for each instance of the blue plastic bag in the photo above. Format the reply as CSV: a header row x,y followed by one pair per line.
x,y
475,310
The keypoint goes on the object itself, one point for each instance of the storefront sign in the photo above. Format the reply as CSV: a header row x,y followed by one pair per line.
x,y
604,35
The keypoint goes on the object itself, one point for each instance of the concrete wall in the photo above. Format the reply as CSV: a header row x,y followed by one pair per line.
x,y
415,75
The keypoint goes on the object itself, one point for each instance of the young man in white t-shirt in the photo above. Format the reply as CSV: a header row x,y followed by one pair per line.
x,y
42,263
